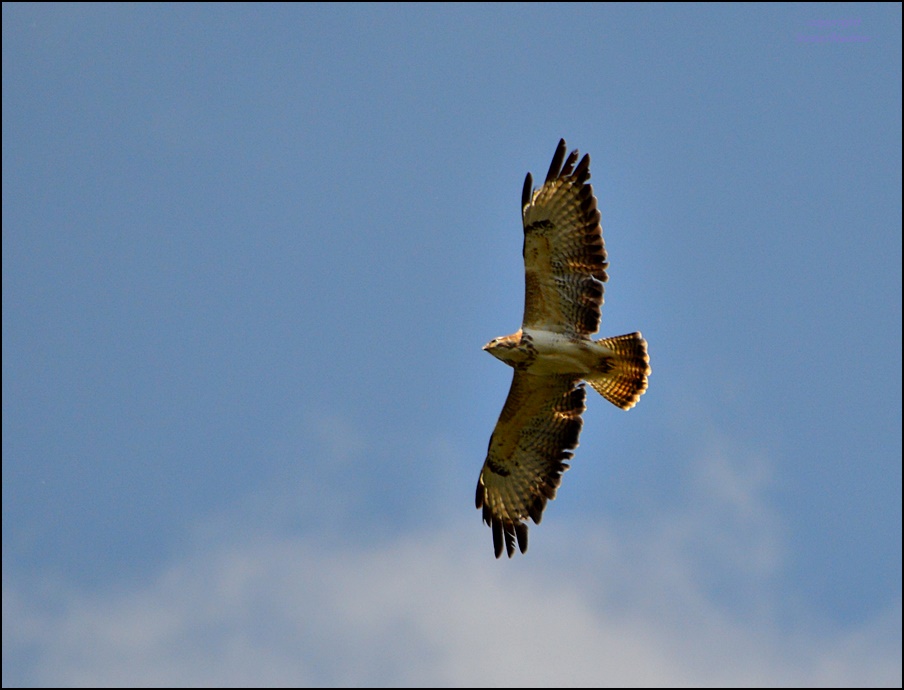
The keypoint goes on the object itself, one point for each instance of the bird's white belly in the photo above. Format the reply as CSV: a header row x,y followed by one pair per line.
x,y
557,354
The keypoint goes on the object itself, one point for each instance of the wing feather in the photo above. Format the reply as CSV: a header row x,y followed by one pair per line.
x,y
538,427
555,167
526,191
564,255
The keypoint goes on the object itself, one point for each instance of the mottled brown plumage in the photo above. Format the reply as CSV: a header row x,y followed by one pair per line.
x,y
564,270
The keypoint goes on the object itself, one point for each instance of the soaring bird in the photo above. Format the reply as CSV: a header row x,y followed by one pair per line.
x,y
552,353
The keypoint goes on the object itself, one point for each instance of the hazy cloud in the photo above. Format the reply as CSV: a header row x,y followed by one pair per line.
x,y
614,607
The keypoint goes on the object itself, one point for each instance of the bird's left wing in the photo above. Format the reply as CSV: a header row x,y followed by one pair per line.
x,y
537,429
564,254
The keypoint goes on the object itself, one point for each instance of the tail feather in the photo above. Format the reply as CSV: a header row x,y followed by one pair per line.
x,y
622,375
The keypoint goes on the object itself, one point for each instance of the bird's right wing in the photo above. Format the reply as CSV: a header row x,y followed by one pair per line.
x,y
536,432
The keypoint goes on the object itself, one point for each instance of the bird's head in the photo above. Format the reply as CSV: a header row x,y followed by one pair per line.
x,y
505,347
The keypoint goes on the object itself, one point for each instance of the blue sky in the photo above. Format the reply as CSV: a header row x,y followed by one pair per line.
x,y
251,254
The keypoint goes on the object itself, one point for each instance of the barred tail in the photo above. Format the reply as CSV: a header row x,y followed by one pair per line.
x,y
622,375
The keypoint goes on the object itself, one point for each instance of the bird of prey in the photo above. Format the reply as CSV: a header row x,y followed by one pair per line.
x,y
552,353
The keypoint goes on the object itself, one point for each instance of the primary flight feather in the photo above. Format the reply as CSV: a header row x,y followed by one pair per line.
x,y
552,353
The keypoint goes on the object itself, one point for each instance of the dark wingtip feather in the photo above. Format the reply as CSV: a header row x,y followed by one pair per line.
x,y
509,535
521,533
497,537
558,158
536,509
525,193
582,173
569,164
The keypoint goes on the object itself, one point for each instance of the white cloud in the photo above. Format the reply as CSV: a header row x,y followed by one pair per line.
x,y
424,610
600,606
